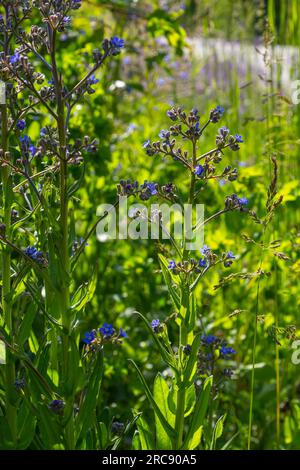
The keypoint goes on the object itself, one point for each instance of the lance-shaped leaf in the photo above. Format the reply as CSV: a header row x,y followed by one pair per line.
x,y
193,437
166,426
191,365
170,280
161,395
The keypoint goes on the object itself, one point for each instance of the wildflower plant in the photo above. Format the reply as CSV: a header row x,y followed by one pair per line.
x,y
199,361
50,386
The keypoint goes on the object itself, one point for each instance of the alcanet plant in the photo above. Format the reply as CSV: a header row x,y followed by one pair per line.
x,y
183,406
50,386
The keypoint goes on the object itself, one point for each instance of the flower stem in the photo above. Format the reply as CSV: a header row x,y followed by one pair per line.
x,y
11,411
64,242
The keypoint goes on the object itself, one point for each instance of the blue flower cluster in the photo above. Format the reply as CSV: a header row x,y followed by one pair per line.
x,y
104,334
213,350
188,267
35,255
57,407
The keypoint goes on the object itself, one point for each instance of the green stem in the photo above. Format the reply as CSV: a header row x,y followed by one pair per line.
x,y
64,245
11,411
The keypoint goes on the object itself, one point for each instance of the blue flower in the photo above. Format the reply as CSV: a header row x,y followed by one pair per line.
x,y
89,337
92,80
208,339
202,263
56,406
107,329
66,21
172,264
25,139
14,58
226,351
21,124
199,170
43,132
19,383
34,254
122,333
32,149
238,138
220,110
197,126
163,134
228,260
152,188
243,201
155,324
146,144
117,42
51,81
205,250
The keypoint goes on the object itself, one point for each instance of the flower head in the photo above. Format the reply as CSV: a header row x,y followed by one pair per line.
x,y
172,264
243,201
89,337
209,339
202,263
155,324
107,330
57,406
21,124
199,170
226,351
239,138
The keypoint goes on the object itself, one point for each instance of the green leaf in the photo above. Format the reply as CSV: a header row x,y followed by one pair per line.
x,y
161,394
146,437
170,280
218,431
85,415
167,357
191,366
194,434
166,426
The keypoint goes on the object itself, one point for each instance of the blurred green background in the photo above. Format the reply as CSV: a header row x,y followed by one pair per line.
x,y
243,55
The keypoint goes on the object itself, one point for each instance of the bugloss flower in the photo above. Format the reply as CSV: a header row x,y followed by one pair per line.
x,y
199,171
14,58
228,260
56,406
226,351
238,138
172,265
202,263
21,124
107,330
209,339
216,114
243,201
155,324
35,255
89,337
117,42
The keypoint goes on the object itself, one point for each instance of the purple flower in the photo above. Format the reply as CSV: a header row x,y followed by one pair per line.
x,y
239,138
14,58
155,325
199,170
220,110
164,134
66,21
146,144
25,139
89,337
21,124
205,250
172,115
172,264
228,260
